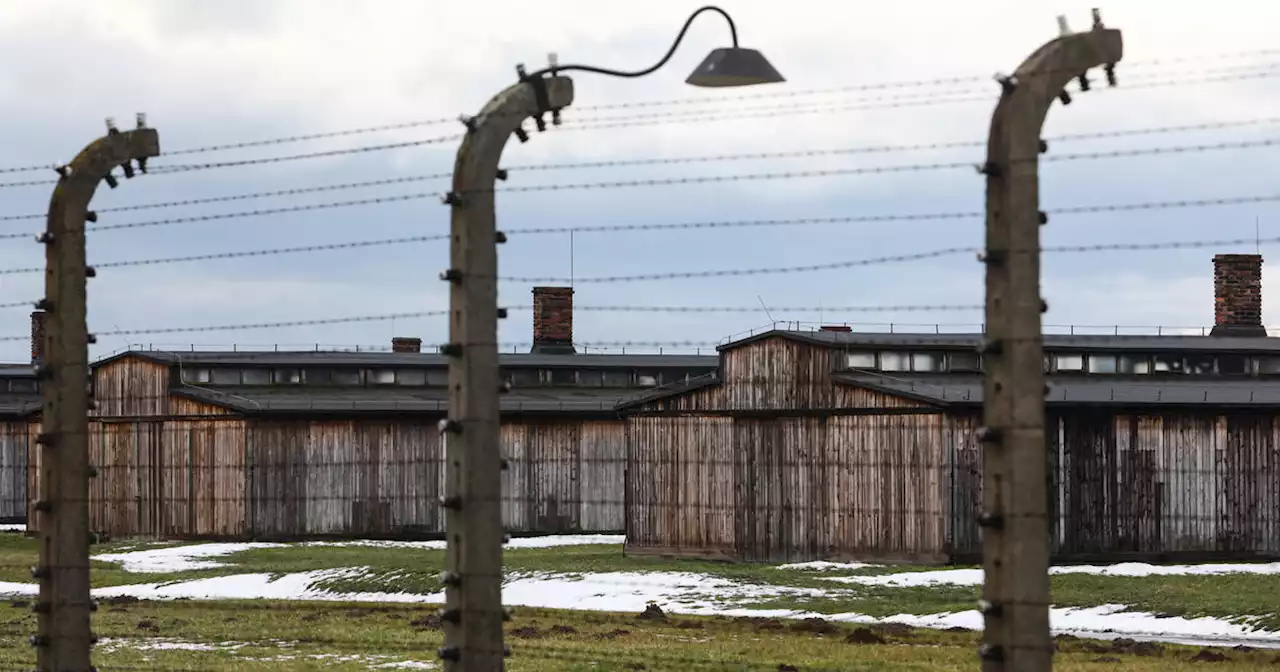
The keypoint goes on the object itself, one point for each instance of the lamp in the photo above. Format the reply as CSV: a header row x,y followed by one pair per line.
x,y
723,67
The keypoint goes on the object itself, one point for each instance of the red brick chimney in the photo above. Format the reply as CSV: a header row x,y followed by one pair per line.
x,y
37,336
1237,295
406,344
553,320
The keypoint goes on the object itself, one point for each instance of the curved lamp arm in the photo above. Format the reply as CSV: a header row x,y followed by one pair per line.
x,y
552,70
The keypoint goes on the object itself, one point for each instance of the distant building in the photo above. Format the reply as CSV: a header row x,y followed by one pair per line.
x,y
298,445
855,446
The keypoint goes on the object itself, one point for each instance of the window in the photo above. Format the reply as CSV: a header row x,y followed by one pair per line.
x,y
965,361
346,376
1200,365
315,376
412,377
646,380
224,376
1068,363
926,361
256,376
382,377
1269,366
620,378
438,377
1168,364
1137,364
288,376
590,378
895,361
1103,364
1233,365
561,377
23,386
195,375
524,377
861,360
674,377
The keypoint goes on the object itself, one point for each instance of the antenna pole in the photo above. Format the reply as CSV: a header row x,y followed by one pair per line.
x,y
571,258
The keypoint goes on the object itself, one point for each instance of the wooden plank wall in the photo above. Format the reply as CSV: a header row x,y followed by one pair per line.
x,y
789,489
1155,486
16,437
564,476
131,387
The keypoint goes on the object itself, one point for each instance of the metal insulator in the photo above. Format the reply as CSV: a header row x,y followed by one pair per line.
x,y
39,640
45,238
506,651
993,346
44,439
452,275
1044,218
452,198
502,313
501,174
504,387
450,615
90,272
111,181
450,579
507,613
991,520
499,237
451,350
468,121
1044,146
987,608
43,505
127,167
450,653
44,304
989,435
990,169
991,652
39,572
448,425
141,118
41,607
1044,306
451,502
521,134
1084,81
91,339
1065,98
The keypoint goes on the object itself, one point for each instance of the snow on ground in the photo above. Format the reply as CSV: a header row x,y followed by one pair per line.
x,y
685,593
12,527
824,566
191,557
973,577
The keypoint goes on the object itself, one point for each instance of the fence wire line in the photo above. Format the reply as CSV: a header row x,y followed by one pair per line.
x,y
702,100
651,182
1271,70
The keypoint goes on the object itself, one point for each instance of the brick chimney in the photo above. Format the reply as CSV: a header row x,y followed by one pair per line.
x,y
1237,295
37,336
553,320
406,344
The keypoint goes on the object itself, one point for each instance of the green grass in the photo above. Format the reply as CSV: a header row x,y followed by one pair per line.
x,y
308,636
1243,597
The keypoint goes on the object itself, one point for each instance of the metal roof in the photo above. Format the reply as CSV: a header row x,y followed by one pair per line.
x,y
362,400
17,371
1122,342
19,405
1092,390
413,359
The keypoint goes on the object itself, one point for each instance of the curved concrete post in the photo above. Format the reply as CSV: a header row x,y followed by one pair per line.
x,y
473,614
62,505
1016,530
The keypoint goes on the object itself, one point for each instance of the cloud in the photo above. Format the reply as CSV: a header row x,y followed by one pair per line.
x,y
212,73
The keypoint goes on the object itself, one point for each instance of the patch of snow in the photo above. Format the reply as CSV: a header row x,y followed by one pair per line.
x,y
185,558
974,577
406,665
824,566
192,557
11,589
13,527
633,591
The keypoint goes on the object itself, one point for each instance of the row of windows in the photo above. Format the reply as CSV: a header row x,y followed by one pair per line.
x,y
436,377
1095,363
19,385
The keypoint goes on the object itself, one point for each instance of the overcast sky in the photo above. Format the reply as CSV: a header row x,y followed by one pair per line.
x,y
230,71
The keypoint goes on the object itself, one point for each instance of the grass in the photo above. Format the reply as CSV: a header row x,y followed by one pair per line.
x,y
307,636
320,629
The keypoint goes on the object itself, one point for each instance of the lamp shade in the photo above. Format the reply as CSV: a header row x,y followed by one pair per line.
x,y
734,66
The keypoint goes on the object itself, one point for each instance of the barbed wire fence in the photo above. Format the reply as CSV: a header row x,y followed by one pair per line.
x,y
121,514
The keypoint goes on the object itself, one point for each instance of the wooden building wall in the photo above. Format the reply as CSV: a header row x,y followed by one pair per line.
x,y
779,463
17,438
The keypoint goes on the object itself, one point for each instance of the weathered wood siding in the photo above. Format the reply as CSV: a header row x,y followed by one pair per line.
x,y
344,478
16,438
790,488
563,476
131,387
1158,485
774,374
